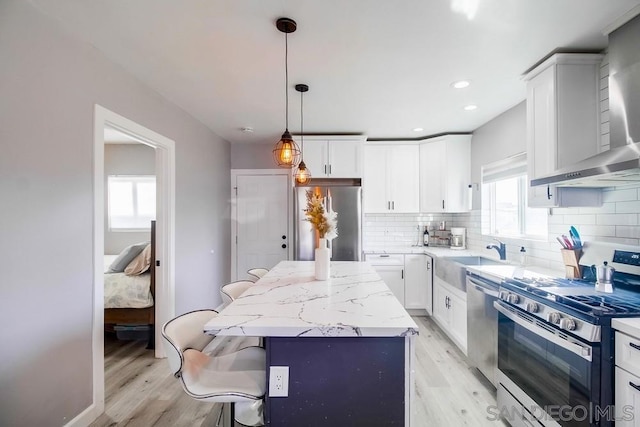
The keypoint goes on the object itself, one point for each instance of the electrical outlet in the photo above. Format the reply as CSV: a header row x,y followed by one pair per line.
x,y
278,381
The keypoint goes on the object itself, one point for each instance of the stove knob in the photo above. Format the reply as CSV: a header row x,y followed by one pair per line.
x,y
504,295
554,317
513,299
532,307
568,324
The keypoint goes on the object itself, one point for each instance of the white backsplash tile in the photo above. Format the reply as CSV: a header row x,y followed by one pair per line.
x,y
617,221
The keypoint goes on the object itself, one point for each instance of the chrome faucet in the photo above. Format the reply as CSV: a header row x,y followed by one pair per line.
x,y
502,249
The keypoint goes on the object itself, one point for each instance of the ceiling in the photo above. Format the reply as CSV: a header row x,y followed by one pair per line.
x,y
377,67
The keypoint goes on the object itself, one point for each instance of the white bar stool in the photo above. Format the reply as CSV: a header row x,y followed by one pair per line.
x,y
236,378
256,273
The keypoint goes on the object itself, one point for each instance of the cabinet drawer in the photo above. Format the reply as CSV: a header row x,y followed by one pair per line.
x,y
627,399
385,259
628,353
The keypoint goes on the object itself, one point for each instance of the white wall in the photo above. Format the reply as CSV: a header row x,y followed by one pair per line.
x,y
125,159
49,83
252,156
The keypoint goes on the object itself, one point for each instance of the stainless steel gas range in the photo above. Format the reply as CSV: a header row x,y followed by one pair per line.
x,y
556,345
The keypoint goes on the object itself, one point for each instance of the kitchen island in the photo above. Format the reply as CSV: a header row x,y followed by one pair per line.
x,y
347,341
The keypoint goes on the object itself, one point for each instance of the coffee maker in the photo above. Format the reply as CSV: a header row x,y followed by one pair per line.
x,y
458,238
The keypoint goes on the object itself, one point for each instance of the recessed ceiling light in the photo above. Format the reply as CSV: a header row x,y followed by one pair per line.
x,y
461,84
470,107
247,129
418,129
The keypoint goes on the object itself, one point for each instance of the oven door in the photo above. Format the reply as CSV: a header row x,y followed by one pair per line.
x,y
551,368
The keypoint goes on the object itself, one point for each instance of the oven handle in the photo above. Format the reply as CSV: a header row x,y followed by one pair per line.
x,y
581,350
483,287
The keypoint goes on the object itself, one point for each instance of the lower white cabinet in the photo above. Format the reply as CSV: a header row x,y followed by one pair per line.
x,y
627,380
409,276
450,311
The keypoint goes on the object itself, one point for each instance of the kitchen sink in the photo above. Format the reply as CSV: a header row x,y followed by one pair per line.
x,y
473,260
453,269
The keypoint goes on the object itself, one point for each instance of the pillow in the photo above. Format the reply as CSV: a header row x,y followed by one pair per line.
x,y
126,256
140,264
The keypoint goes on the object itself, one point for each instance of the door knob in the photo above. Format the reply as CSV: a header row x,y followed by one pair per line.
x,y
284,246
284,237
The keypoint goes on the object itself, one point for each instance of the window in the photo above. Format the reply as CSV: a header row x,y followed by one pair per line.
x,y
131,202
504,201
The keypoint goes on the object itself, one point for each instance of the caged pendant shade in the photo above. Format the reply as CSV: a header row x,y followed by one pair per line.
x,y
302,175
286,153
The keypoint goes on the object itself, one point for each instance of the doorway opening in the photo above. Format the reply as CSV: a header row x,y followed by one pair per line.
x,y
163,264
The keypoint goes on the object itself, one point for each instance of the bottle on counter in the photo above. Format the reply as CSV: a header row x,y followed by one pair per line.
x,y
425,237
523,256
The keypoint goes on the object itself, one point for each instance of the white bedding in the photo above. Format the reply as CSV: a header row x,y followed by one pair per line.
x,y
122,291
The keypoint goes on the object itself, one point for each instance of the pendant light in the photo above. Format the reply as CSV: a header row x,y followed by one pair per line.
x,y
286,152
303,174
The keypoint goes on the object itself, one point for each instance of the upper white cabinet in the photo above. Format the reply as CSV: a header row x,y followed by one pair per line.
x,y
562,120
391,178
333,156
445,174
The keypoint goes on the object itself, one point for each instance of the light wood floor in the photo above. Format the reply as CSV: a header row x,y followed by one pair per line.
x,y
139,390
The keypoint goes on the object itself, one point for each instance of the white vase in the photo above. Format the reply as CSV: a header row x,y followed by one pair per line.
x,y
322,261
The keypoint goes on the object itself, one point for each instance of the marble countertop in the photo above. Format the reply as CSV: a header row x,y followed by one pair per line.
x,y
289,302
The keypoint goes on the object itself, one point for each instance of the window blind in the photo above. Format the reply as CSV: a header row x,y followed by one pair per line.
x,y
508,168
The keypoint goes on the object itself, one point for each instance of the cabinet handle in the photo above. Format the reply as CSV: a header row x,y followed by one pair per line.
x,y
637,387
636,346
428,266
388,206
393,205
384,256
329,169
549,192
443,204
402,273
325,169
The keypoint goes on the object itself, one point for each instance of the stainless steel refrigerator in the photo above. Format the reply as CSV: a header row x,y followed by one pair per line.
x,y
346,200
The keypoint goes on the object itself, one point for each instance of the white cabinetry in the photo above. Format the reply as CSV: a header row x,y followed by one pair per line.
x,y
445,174
418,282
627,380
562,123
408,276
450,311
390,178
333,156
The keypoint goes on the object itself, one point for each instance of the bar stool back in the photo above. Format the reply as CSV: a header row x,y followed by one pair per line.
x,y
236,378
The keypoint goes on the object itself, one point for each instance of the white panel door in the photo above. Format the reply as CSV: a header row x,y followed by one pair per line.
x,y
345,159
375,192
316,158
262,212
404,170
432,169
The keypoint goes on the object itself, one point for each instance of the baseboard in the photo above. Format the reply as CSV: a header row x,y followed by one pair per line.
x,y
86,417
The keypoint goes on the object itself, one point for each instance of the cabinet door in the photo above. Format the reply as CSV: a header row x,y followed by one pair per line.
x,y
458,174
440,305
404,182
627,399
393,276
316,158
415,281
432,176
345,159
458,319
374,192
541,135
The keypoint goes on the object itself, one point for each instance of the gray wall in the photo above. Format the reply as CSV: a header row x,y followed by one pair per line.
x,y
252,156
125,159
49,83
500,138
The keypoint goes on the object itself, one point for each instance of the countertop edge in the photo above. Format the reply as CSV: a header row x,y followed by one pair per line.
x,y
629,326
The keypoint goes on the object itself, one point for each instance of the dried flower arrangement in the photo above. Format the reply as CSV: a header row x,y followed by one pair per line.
x,y
325,222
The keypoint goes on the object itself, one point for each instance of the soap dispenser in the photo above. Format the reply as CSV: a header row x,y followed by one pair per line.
x,y
523,256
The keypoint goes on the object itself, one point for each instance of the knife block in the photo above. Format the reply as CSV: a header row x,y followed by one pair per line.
x,y
571,258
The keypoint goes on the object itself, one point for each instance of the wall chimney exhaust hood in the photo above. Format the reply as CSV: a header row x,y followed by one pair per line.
x,y
621,164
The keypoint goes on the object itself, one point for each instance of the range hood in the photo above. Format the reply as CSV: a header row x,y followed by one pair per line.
x,y
621,164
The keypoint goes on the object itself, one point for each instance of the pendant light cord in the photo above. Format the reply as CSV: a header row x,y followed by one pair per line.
x,y
286,78
301,123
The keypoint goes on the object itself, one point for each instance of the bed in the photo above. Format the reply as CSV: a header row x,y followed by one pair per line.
x,y
130,300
